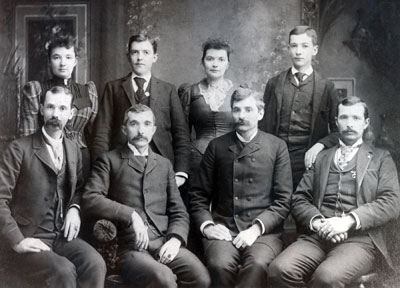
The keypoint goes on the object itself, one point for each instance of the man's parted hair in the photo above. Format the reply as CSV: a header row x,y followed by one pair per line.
x,y
353,100
57,90
302,29
242,93
142,38
138,108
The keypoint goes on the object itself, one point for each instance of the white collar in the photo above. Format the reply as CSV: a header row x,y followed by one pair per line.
x,y
136,152
356,144
146,77
246,141
308,72
51,140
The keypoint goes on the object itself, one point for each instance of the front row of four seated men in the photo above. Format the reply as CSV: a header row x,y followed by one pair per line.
x,y
342,203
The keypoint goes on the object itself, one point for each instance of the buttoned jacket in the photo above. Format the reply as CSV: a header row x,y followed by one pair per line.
x,y
119,185
243,185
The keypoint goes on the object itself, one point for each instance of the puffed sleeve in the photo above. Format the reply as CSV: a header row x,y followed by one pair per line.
x,y
30,104
184,93
94,99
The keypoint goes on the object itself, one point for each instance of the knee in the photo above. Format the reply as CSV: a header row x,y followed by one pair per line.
x,y
65,273
203,280
277,271
325,277
94,264
164,278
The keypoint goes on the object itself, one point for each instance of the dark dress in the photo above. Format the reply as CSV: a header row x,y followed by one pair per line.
x,y
204,123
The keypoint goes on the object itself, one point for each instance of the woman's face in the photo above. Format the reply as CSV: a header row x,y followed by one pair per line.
x,y
62,62
215,63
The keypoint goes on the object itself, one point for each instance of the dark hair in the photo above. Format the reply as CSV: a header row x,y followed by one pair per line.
x,y
353,100
57,90
58,40
216,44
242,93
142,38
138,108
298,30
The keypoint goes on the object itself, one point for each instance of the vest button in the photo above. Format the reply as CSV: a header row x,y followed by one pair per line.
x,y
236,180
236,198
251,180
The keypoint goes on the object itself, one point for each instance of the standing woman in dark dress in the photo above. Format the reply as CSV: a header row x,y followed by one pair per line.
x,y
206,104
62,54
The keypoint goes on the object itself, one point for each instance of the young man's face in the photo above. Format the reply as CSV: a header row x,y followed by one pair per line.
x,y
139,129
351,123
246,115
62,62
56,111
141,57
302,50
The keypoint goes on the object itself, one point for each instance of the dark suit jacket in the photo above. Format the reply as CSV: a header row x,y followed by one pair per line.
x,y
324,107
28,181
243,185
115,189
378,193
172,135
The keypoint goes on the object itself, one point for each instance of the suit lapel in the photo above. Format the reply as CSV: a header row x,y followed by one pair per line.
x,y
279,94
71,162
323,168
155,91
128,88
40,150
126,153
151,162
252,146
319,87
364,157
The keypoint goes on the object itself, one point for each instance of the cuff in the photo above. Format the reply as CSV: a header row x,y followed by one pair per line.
x,y
318,216
204,225
76,206
261,224
358,222
182,174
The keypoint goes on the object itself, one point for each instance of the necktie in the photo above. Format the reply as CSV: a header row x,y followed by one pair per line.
x,y
140,94
300,77
344,157
57,153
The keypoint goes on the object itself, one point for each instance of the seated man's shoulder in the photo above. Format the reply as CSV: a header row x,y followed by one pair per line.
x,y
274,140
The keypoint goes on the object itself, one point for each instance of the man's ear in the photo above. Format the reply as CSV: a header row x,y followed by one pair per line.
x,y
41,109
260,114
123,129
315,50
155,57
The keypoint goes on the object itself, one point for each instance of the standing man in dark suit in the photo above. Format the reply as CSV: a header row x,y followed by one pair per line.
x,y
171,139
135,188
342,203
243,176
41,185
300,106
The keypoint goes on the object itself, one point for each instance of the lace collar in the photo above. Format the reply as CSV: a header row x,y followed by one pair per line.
x,y
215,95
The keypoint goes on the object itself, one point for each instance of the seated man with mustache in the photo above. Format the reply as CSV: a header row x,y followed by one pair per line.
x,y
135,188
244,177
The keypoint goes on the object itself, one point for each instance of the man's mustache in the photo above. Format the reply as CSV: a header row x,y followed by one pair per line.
x,y
54,122
140,137
349,131
242,122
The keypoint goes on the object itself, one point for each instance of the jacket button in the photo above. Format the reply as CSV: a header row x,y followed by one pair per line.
x,y
251,180
253,159
248,214
248,198
236,180
236,215
236,198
